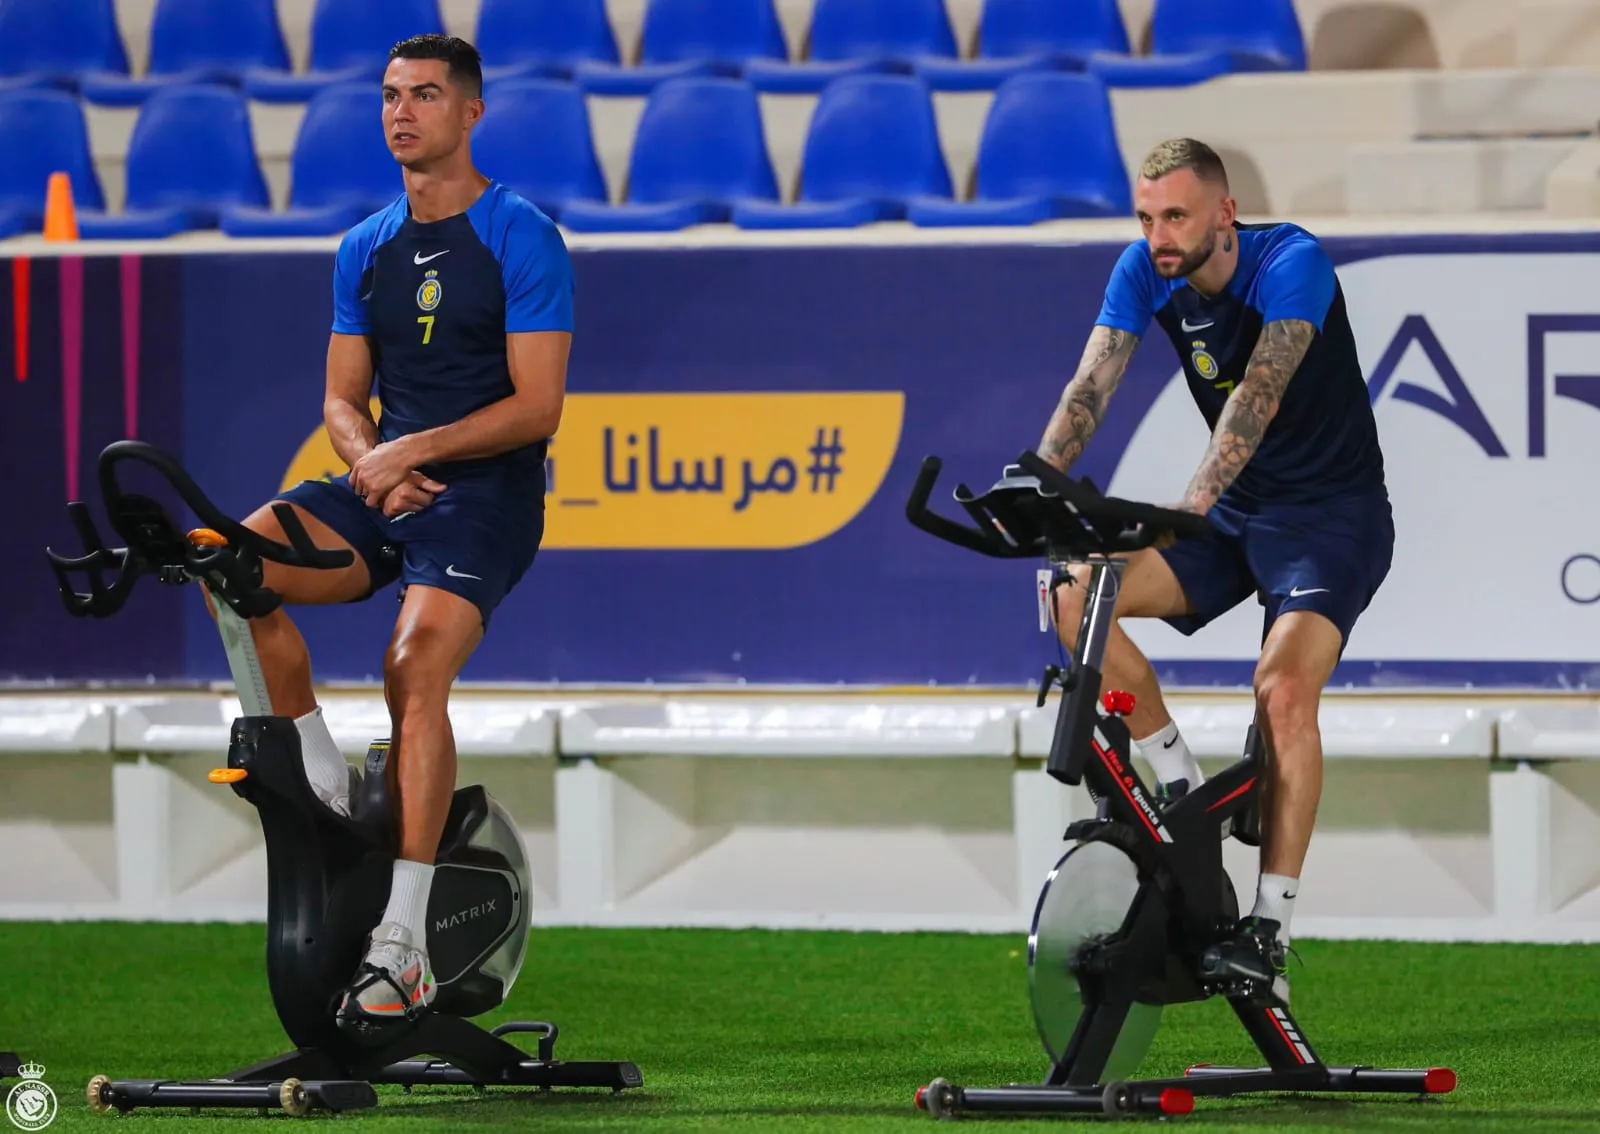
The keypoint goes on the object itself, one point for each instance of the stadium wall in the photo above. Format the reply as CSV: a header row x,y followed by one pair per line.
x,y
766,410
787,707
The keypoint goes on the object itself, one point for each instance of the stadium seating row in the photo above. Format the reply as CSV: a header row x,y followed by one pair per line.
x,y
1299,144
1048,150
76,44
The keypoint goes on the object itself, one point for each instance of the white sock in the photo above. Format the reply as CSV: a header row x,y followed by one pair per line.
x,y
408,899
1275,895
1169,756
326,767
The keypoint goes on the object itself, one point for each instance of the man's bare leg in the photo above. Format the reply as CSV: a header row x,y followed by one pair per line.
x,y
435,636
285,660
1149,590
1297,660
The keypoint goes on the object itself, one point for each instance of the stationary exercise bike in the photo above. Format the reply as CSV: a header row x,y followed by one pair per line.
x,y
328,876
1125,918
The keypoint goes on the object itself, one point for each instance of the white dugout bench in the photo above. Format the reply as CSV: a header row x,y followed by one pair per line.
x,y
1442,818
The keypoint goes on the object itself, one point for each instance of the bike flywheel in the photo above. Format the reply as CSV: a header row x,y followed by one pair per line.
x,y
1088,895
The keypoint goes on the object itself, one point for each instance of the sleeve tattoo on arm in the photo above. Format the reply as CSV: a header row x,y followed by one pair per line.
x,y
1250,409
1083,403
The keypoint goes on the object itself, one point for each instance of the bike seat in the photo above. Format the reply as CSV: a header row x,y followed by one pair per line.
x,y
469,810
372,809
369,803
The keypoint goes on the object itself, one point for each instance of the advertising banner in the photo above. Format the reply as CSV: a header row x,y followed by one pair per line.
x,y
1484,371
726,494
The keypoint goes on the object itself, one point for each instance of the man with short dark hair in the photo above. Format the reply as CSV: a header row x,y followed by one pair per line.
x,y
1292,482
458,299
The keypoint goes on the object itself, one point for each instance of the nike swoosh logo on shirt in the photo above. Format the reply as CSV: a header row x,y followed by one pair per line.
x,y
1187,326
419,258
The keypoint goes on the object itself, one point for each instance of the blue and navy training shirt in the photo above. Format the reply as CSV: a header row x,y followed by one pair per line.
x,y
1323,442
438,300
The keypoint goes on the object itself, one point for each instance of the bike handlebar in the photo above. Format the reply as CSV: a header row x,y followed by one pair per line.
x,y
1035,510
228,557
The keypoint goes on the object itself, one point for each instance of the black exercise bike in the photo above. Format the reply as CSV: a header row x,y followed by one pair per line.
x,y
1127,914
328,876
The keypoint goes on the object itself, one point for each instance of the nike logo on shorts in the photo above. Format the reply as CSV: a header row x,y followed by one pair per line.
x,y
454,574
1297,592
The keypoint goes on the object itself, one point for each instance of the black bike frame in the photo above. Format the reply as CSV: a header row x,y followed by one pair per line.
x,y
1092,745
1186,897
326,873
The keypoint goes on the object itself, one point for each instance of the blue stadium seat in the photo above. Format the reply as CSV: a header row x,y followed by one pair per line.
x,y
1015,36
1049,150
873,147
519,39
536,139
692,37
861,36
700,152
350,39
57,43
192,155
42,132
341,172
199,41
1193,41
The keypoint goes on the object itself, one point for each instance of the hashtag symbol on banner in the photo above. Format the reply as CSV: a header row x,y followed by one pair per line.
x,y
825,456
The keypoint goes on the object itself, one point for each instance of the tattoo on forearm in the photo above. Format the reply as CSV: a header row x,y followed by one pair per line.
x,y
1083,403
1251,407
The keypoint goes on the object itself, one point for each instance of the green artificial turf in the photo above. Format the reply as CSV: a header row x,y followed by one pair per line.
x,y
815,1031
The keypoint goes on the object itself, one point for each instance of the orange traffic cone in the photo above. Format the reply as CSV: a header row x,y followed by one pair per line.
x,y
60,214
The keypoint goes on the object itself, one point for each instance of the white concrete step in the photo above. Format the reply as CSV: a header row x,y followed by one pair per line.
x,y
1454,176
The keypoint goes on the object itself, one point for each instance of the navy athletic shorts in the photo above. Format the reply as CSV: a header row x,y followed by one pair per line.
x,y
1328,557
470,541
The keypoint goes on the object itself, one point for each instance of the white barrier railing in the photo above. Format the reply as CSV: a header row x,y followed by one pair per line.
x,y
1441,817
55,724
1361,728
777,728
200,723
1551,732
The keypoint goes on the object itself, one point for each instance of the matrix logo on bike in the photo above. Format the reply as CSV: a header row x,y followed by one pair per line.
x,y
696,471
461,917
1130,786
